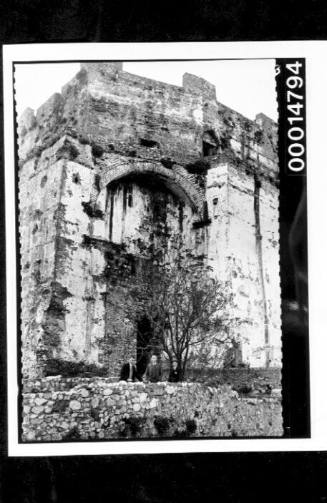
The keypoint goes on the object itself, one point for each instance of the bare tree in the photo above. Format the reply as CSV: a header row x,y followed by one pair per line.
x,y
185,304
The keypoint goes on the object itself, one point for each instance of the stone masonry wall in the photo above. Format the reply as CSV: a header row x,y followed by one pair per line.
x,y
97,409
108,125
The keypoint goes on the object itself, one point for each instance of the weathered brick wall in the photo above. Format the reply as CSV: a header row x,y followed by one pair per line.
x,y
86,409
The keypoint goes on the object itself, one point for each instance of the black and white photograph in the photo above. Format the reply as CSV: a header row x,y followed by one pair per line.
x,y
157,272
149,250
163,252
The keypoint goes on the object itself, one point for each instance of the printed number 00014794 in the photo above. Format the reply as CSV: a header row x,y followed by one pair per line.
x,y
295,107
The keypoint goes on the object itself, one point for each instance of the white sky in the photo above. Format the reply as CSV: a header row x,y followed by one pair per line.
x,y
247,86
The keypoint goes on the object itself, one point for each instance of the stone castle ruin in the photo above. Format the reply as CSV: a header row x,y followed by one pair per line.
x,y
110,152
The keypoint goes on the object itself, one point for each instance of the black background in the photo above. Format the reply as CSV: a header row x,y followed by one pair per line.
x,y
233,477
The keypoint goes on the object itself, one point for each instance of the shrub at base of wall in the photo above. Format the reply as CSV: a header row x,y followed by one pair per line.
x,y
57,409
246,381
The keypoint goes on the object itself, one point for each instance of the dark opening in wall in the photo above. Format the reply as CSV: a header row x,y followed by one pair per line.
x,y
97,150
215,207
127,197
208,149
167,162
97,182
180,215
209,144
148,143
76,178
92,210
143,343
205,219
44,181
111,198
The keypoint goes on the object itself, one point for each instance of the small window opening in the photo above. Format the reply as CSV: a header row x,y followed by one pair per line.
x,y
44,181
148,143
127,197
76,178
209,144
215,207
208,149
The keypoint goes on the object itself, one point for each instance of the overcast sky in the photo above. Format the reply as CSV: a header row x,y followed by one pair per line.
x,y
247,86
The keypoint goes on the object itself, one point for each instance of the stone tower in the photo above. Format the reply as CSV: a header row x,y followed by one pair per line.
x,y
111,148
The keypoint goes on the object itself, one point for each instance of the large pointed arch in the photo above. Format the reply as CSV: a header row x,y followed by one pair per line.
x,y
177,179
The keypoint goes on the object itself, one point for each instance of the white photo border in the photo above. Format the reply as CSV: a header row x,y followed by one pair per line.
x,y
316,84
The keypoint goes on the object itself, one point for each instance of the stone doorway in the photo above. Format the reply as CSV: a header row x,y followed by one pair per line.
x,y
144,343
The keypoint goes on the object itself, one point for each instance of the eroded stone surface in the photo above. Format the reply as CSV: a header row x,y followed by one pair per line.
x,y
93,162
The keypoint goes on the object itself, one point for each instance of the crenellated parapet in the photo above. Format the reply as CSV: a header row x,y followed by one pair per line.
x,y
112,150
117,112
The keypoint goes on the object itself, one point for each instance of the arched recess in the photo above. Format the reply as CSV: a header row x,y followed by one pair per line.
x,y
177,180
126,231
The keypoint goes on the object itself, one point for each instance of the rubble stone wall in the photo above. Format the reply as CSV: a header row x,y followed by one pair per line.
x,y
90,409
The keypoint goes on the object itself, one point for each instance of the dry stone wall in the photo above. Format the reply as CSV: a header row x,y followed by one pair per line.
x,y
97,409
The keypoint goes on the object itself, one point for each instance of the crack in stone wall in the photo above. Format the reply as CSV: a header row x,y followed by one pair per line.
x,y
258,235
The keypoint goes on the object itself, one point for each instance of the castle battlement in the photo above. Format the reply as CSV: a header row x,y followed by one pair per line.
x,y
112,150
183,124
